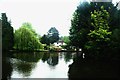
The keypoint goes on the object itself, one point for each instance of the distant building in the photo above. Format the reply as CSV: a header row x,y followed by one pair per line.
x,y
59,43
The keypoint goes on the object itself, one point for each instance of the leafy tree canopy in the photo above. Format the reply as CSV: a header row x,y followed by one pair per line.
x,y
53,35
91,22
26,39
100,35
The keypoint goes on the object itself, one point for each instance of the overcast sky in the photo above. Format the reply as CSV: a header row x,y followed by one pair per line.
x,y
42,14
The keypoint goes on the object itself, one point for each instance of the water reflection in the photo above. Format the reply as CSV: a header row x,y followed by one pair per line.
x,y
53,59
6,68
40,65
67,57
45,57
29,57
23,67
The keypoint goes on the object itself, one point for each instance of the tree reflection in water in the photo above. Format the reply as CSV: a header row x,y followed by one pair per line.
x,y
67,57
45,57
24,68
25,65
6,68
29,57
53,59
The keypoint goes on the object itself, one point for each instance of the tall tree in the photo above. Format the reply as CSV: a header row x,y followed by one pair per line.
x,y
115,37
100,35
53,35
80,25
0,35
7,34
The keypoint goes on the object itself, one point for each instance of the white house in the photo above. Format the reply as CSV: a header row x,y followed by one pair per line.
x,y
59,43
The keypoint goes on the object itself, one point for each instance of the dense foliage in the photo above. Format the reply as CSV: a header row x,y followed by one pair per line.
x,y
51,37
100,35
80,24
65,39
96,26
45,40
26,38
7,34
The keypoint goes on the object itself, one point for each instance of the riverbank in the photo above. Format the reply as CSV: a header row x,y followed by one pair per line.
x,y
43,51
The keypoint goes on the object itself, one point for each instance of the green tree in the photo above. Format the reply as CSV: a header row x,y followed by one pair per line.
x,y
65,39
29,26
26,39
80,25
0,34
53,35
111,9
45,40
81,21
116,39
7,34
99,37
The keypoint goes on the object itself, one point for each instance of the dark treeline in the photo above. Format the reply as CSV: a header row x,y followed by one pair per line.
x,y
7,44
7,34
95,28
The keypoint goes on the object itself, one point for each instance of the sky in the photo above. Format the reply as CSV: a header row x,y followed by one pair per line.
x,y
42,14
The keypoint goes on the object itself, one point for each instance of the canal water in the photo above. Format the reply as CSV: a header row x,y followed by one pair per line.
x,y
38,65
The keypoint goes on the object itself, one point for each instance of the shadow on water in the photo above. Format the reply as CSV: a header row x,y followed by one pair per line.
x,y
6,66
45,57
84,68
23,64
67,57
